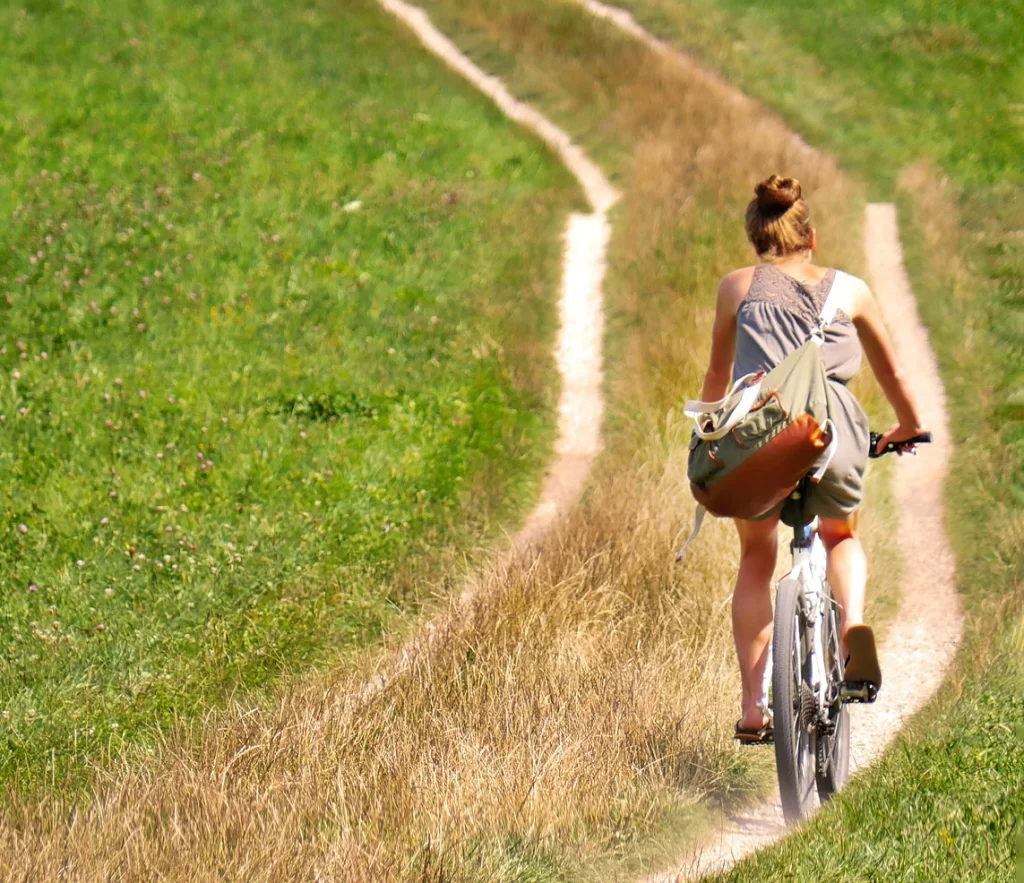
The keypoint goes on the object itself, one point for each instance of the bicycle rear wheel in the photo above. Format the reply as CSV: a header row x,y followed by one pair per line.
x,y
793,706
833,767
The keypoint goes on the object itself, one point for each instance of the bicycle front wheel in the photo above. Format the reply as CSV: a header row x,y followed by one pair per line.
x,y
793,706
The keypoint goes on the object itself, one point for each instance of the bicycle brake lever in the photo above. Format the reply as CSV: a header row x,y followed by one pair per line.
x,y
896,447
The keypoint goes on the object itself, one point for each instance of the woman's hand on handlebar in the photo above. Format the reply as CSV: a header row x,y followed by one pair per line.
x,y
903,438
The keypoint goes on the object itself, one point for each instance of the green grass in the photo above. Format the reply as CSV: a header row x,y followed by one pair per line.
x,y
953,798
932,87
244,403
880,82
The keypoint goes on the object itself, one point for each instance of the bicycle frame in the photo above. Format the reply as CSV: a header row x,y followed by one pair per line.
x,y
811,727
810,563
809,567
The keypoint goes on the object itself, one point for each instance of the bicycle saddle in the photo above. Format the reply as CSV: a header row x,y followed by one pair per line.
x,y
794,507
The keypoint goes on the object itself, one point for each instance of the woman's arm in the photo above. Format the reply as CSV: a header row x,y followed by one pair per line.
x,y
723,338
877,347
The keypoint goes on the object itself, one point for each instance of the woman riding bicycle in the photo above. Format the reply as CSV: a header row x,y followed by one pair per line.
x,y
764,313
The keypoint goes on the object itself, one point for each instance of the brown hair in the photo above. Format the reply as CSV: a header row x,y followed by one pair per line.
x,y
778,220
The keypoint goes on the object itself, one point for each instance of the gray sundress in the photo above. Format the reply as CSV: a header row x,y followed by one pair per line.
x,y
775,318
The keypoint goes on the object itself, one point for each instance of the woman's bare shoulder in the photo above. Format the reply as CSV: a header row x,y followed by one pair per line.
x,y
735,285
854,295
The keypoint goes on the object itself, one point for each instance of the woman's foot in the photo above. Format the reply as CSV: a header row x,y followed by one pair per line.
x,y
862,663
761,735
755,727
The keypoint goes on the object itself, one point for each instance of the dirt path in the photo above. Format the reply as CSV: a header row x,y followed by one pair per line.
x,y
578,350
581,311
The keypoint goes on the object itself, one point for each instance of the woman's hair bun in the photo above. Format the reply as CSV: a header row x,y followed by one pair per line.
x,y
777,194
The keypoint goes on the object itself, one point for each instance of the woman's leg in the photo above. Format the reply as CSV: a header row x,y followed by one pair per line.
x,y
847,568
752,611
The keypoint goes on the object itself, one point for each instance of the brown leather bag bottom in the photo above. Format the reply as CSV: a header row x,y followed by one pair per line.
x,y
768,476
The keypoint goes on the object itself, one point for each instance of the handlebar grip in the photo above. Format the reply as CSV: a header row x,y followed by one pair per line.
x,y
894,447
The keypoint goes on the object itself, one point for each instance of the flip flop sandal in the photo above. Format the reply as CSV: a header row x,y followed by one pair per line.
x,y
862,670
763,736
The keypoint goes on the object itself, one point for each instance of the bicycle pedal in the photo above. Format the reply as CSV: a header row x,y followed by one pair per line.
x,y
858,691
768,740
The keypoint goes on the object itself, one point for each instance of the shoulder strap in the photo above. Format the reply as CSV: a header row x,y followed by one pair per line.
x,y
841,284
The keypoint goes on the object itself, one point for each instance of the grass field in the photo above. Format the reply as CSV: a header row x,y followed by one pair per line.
x,y
278,302
536,739
923,101
580,708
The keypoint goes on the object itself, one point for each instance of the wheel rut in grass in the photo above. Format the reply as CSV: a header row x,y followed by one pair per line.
x,y
578,350
922,640
581,312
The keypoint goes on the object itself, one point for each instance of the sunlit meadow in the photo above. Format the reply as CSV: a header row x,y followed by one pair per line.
x,y
241,396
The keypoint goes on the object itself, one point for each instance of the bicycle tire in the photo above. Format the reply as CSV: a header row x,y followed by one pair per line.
x,y
795,737
833,755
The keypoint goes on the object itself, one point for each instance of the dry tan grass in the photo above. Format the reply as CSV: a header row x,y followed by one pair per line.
x,y
574,684
582,691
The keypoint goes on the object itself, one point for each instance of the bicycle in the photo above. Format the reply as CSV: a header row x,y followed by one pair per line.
x,y
808,693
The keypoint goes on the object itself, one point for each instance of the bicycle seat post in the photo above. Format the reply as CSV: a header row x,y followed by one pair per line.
x,y
794,514
803,536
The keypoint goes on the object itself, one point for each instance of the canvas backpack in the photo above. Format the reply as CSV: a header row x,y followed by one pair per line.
x,y
749,450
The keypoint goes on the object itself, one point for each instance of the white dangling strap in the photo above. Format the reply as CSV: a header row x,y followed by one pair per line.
x,y
698,520
698,409
695,408
830,451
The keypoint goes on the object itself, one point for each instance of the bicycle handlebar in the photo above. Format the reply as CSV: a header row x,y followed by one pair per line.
x,y
896,447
